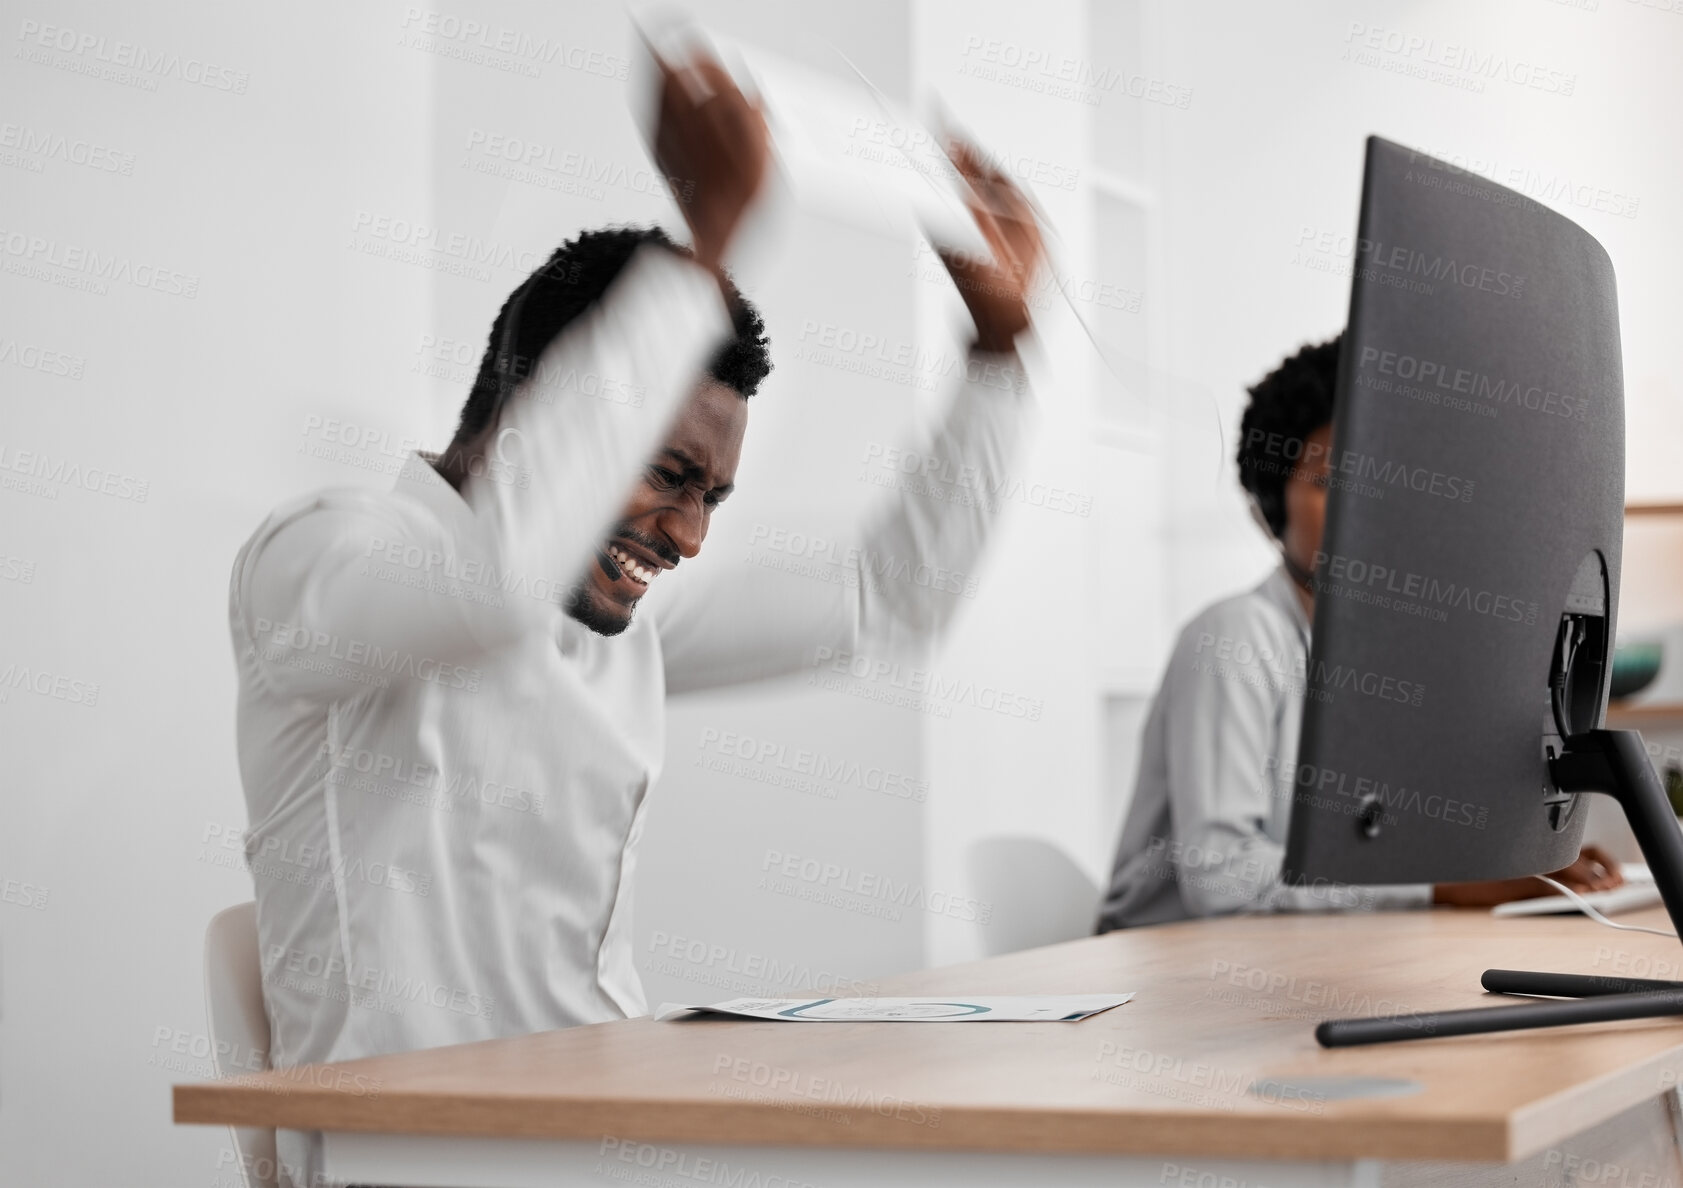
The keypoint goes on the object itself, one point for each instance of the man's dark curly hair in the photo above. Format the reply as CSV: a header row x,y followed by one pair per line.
x,y
566,286
1287,405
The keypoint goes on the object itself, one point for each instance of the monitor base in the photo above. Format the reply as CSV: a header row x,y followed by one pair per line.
x,y
1613,762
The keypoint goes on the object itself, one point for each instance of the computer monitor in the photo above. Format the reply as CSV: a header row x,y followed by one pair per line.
x,y
1468,577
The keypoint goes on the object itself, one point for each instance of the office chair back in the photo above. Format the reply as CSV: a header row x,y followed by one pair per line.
x,y
239,1027
1038,895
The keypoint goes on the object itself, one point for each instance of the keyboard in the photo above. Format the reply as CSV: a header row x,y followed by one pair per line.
x,y
1639,891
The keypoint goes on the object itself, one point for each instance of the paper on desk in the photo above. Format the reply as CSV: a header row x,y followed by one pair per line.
x,y
1014,1008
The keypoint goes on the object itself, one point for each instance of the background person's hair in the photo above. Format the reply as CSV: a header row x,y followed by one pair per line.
x,y
1287,405
566,286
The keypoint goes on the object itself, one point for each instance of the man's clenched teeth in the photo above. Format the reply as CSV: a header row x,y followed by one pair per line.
x,y
633,567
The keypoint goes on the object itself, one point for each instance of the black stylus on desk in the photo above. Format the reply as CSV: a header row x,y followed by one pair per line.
x,y
1601,1008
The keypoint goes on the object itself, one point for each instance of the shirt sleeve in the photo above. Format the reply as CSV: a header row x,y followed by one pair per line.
x,y
1226,681
567,448
912,567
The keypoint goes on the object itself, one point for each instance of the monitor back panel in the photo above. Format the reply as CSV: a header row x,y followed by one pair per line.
x,y
1477,493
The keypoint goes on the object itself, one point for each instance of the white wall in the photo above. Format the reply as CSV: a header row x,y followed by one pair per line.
x,y
283,199
204,398
1028,765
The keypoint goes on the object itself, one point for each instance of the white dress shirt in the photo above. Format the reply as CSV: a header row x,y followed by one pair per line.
x,y
1206,831
446,775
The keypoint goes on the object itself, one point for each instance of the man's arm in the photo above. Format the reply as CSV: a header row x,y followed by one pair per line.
x,y
540,488
1225,779
309,590
553,485
916,557
911,567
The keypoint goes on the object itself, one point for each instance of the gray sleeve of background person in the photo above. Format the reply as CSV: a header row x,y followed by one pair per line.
x,y
1225,685
911,567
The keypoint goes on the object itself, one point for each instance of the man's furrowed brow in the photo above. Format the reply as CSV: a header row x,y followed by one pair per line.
x,y
693,473
687,466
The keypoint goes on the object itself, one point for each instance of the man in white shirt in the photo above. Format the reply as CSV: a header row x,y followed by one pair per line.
x,y
1205,833
451,707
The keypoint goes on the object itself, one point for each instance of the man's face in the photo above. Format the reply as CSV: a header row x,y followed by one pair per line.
x,y
666,517
1306,499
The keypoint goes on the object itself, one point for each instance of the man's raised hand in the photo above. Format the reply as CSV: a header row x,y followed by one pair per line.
x,y
711,142
996,290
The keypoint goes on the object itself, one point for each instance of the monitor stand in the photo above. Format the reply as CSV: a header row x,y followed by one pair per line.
x,y
1613,762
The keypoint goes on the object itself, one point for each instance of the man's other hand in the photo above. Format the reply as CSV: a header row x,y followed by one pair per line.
x,y
995,290
1594,870
711,142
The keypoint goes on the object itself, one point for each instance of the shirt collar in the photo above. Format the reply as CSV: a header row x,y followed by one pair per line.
x,y
1279,589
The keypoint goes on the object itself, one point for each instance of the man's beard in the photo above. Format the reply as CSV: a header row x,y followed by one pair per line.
x,y
583,605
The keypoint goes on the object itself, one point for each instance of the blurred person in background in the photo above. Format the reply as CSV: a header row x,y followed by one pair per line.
x,y
1205,832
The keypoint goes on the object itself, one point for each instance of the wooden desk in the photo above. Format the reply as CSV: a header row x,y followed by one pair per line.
x,y
1651,717
1205,1075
